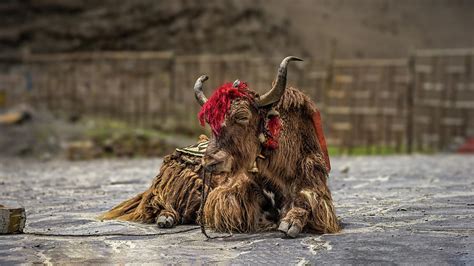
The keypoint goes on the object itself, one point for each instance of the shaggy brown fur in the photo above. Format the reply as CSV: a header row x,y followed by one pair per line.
x,y
296,169
175,194
240,205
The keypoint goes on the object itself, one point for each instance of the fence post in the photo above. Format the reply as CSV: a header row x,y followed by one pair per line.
x,y
328,85
410,97
167,110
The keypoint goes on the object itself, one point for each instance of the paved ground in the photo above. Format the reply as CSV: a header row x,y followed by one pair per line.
x,y
396,209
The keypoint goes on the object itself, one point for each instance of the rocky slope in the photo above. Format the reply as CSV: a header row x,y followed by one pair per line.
x,y
186,27
354,28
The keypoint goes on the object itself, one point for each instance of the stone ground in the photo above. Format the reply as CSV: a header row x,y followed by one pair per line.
x,y
397,209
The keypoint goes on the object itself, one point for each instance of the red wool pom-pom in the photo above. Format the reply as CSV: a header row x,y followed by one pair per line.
x,y
274,127
215,109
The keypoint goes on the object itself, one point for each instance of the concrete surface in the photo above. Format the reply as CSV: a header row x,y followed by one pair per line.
x,y
396,209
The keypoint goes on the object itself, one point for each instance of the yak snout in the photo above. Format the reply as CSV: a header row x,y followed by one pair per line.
x,y
218,162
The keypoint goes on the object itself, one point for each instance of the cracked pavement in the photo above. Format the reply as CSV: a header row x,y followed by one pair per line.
x,y
395,209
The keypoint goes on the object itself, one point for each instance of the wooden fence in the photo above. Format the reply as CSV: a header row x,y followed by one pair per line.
x,y
424,102
366,102
443,98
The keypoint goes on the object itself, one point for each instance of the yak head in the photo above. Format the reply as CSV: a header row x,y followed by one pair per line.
x,y
242,122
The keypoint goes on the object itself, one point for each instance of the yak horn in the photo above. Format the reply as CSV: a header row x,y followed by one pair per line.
x,y
279,86
198,93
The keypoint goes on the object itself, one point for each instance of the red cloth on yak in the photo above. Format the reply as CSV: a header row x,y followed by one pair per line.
x,y
274,127
318,126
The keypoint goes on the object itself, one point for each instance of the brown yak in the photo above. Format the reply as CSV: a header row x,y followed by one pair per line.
x,y
279,133
289,187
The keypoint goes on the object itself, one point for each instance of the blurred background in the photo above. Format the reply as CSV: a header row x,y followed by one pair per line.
x,y
87,79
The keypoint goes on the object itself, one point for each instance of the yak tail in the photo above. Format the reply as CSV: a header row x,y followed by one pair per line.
x,y
129,210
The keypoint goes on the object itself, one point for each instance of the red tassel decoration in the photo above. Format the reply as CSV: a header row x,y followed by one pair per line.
x,y
215,109
274,127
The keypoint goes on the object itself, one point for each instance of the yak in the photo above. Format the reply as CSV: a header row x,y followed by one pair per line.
x,y
280,133
268,160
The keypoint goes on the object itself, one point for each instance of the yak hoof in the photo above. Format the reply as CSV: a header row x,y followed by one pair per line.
x,y
165,221
284,226
291,231
294,231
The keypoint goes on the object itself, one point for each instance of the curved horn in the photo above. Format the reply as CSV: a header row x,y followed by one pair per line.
x,y
198,93
279,86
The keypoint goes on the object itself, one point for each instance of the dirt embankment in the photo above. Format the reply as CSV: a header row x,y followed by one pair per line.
x,y
362,28
187,27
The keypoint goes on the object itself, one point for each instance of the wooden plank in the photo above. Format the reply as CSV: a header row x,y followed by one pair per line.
x,y
370,62
341,126
401,78
464,86
372,77
390,111
365,110
431,137
444,52
433,86
12,220
341,110
337,94
452,121
454,69
437,103
90,56
397,127
464,104
361,95
426,69
317,75
423,119
334,141
344,79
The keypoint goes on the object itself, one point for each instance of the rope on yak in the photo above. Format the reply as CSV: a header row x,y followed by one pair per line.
x,y
204,193
33,233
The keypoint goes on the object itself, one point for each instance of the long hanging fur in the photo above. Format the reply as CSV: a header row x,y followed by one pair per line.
x,y
236,206
175,192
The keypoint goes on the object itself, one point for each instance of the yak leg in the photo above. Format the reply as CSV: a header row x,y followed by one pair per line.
x,y
179,202
167,218
322,217
295,219
236,207
313,209
311,204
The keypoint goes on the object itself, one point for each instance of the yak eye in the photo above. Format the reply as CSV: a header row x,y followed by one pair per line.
x,y
242,117
244,121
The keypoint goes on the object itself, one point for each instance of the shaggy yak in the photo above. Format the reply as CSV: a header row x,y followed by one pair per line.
x,y
269,163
